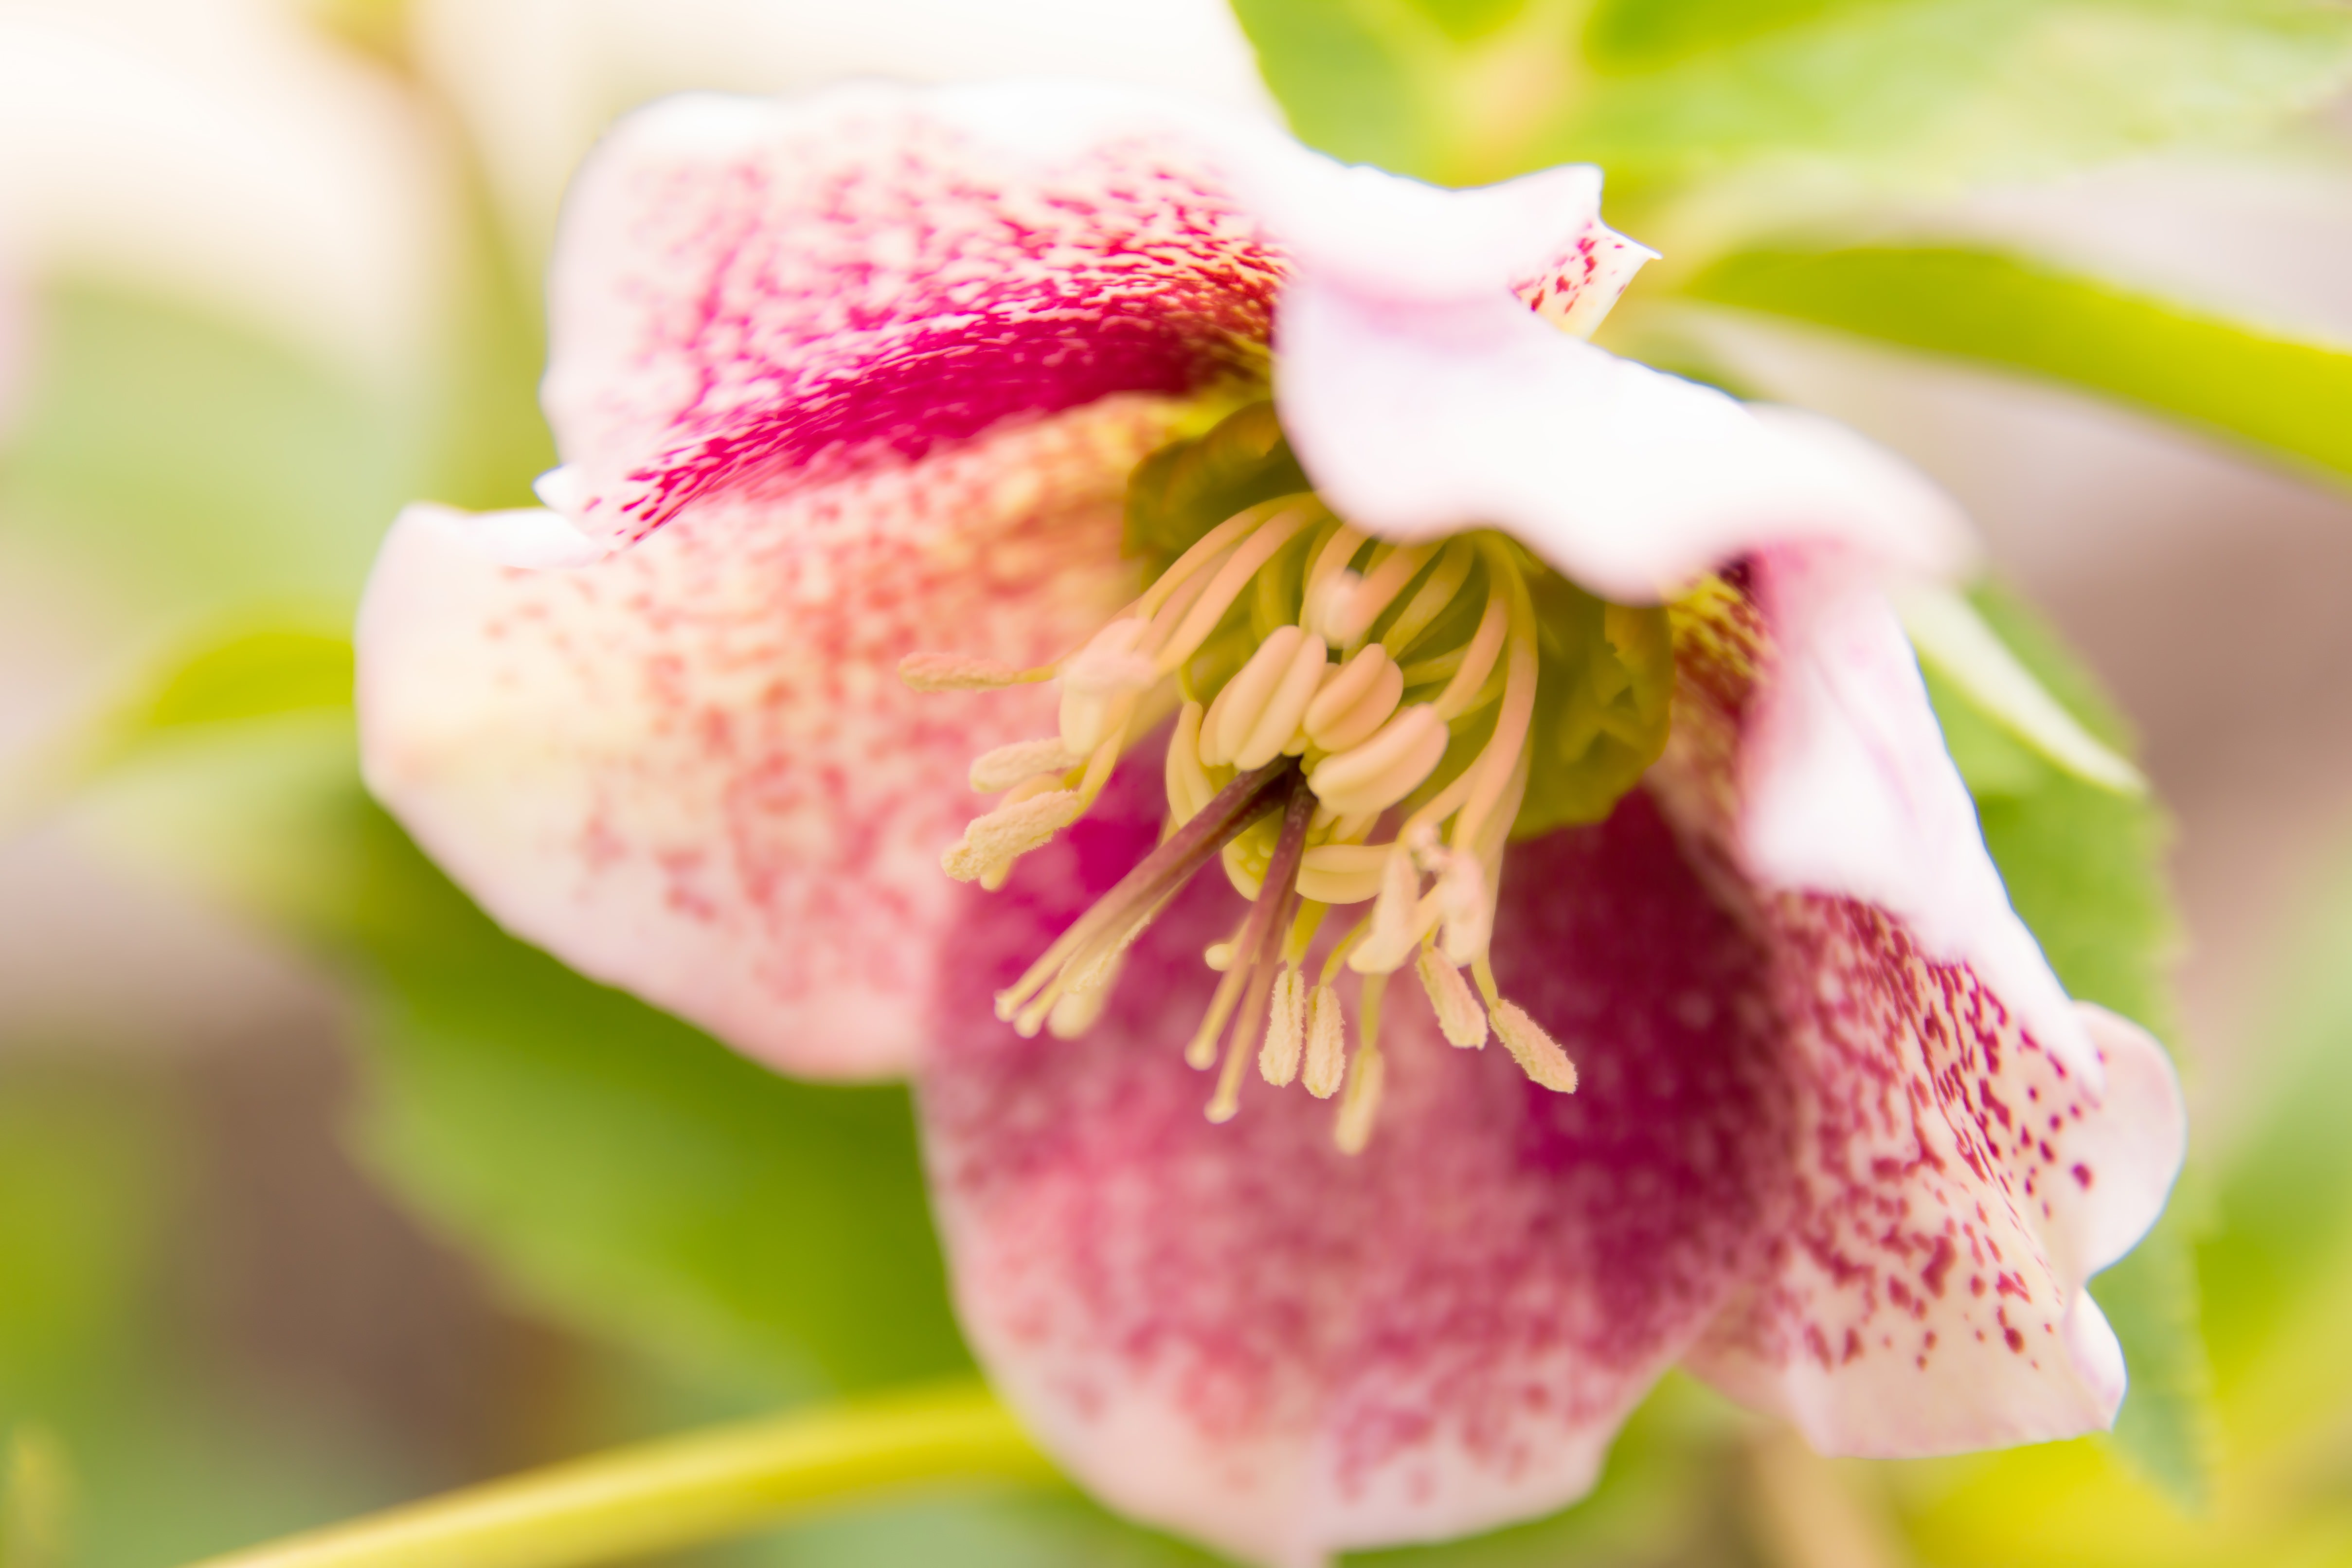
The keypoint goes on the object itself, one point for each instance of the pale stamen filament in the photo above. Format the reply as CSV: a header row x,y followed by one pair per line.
x,y
1189,566
1477,660
1231,578
1348,620
1432,598
1492,771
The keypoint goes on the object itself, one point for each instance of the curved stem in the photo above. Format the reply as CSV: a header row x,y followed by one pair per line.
x,y
681,1492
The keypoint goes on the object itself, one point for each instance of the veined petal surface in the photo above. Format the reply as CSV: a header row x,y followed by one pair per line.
x,y
690,768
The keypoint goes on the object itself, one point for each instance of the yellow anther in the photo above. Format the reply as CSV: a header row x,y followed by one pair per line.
x,y
1326,1043
959,672
1360,1110
1538,1054
1286,1030
1355,701
1277,721
1235,714
1459,1017
995,841
1007,765
1343,873
1386,768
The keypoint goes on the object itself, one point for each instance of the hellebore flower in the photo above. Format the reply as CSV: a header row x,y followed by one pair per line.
x,y
1520,693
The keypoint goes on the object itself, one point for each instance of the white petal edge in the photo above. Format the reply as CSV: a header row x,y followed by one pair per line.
x,y
1846,789
1426,419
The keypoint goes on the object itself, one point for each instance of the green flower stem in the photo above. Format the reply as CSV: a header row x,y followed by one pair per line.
x,y
682,1491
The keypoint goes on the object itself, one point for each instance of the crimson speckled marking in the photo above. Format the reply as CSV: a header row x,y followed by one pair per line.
x,y
877,286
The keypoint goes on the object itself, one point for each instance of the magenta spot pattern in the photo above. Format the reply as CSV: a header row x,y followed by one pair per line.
x,y
879,283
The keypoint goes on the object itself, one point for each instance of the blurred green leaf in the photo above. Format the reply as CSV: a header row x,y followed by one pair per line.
x,y
621,1168
2083,868
2286,1197
1663,92
1936,90
2290,397
190,464
36,1500
1346,73
630,1172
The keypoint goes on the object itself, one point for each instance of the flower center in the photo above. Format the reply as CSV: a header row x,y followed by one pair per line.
x,y
1359,726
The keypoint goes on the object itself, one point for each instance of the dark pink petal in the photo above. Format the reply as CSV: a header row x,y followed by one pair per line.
x,y
751,294
1241,1333
691,769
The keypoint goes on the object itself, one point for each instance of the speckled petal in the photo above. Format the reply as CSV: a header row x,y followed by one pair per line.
x,y
754,294
1971,1146
751,295
1243,1334
1957,1186
690,768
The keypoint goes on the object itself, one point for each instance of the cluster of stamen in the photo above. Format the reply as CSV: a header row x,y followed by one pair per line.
x,y
1353,726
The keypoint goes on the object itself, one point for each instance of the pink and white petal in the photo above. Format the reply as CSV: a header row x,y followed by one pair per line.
x,y
1846,788
690,769
1426,419
1390,240
1241,1334
1956,1182
751,295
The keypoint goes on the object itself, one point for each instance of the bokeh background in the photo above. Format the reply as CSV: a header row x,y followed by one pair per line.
x,y
317,1194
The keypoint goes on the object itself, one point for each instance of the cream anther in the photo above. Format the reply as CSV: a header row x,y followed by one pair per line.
x,y
1538,1054
1236,708
1355,702
1008,765
1386,768
1286,1030
1326,1043
992,843
958,673
1362,1108
1278,721
1343,873
1459,1017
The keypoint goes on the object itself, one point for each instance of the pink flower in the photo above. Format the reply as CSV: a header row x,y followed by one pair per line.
x,y
1568,691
